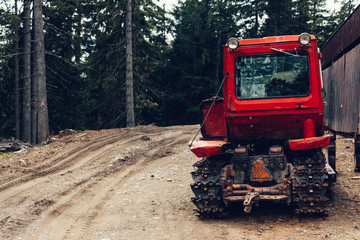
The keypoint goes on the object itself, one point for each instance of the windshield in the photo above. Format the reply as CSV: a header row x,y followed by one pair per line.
x,y
271,76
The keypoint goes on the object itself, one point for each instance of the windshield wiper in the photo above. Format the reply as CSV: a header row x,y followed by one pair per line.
x,y
287,53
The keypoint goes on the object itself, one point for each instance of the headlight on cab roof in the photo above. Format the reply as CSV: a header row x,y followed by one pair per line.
x,y
233,43
304,39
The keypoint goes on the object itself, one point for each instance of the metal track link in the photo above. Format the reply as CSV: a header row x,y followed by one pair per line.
x,y
332,151
357,152
310,183
207,190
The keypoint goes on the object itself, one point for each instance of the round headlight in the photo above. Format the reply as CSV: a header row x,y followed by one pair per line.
x,y
233,43
304,39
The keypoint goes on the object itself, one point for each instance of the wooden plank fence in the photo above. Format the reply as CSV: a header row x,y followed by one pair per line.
x,y
341,75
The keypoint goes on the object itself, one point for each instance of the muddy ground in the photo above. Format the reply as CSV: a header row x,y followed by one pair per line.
x,y
134,184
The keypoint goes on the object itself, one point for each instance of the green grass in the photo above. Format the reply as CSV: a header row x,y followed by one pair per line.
x,y
6,155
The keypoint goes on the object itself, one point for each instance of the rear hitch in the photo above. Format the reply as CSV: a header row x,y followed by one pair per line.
x,y
250,198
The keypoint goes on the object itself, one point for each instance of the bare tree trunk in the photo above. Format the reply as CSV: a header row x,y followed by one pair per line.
x,y
26,121
34,90
130,115
256,19
17,94
218,48
43,119
276,20
218,53
77,44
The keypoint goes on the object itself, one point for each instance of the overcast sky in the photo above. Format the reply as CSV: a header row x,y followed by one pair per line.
x,y
330,3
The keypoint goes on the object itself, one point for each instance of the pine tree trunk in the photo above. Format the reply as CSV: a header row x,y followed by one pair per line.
x,y
34,90
130,115
77,42
26,108
275,17
43,121
218,54
17,94
218,47
256,20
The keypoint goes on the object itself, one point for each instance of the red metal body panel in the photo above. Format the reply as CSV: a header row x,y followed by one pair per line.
x,y
271,127
309,143
215,126
309,128
205,148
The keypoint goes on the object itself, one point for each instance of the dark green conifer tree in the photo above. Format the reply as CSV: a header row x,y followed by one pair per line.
x,y
252,14
280,18
105,90
201,28
65,41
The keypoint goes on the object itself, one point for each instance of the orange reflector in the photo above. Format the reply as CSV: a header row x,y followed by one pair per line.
x,y
259,172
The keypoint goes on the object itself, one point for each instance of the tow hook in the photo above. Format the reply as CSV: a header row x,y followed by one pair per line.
x,y
250,198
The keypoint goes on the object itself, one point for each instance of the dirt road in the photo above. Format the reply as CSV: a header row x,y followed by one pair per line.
x,y
134,184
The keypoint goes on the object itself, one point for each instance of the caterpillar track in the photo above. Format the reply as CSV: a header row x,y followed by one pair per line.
x,y
308,184
207,189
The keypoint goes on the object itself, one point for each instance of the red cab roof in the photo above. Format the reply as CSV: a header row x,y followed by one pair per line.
x,y
274,39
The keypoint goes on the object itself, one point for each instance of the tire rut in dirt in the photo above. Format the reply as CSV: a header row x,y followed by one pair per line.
x,y
72,154
154,151
70,158
154,154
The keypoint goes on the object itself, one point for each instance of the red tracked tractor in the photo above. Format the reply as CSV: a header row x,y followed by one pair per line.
x,y
264,140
